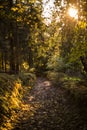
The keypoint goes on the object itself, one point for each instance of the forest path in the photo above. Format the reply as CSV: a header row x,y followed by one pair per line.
x,y
47,107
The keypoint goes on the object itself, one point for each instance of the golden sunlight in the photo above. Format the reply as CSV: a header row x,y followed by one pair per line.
x,y
73,12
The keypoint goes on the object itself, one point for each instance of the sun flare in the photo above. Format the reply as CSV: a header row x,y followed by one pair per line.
x,y
73,12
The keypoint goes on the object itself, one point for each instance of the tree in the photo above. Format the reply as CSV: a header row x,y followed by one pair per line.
x,y
73,33
23,26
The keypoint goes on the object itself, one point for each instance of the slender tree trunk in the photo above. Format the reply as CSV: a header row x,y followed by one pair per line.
x,y
2,66
17,50
10,3
30,58
12,58
5,60
11,42
84,63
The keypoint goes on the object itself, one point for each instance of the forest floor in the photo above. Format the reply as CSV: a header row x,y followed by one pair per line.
x,y
47,107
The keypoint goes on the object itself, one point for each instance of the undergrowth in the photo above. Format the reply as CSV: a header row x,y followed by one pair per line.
x,y
74,85
11,93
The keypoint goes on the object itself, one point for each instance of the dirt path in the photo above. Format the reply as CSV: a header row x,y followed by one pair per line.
x,y
49,108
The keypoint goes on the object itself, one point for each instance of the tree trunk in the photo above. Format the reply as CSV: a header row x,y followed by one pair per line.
x,y
30,58
2,66
17,50
5,60
12,58
84,63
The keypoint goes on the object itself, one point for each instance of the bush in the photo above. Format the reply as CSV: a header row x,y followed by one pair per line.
x,y
56,77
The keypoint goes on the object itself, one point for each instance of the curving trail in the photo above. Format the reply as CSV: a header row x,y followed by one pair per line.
x,y
49,108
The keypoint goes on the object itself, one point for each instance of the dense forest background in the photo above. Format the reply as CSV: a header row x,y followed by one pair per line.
x,y
33,44
27,41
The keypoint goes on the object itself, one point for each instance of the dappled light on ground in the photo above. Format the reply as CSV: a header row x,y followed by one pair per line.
x,y
46,83
31,98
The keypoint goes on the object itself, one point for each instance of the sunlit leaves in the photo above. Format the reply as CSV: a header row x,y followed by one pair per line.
x,y
73,32
14,9
25,65
9,98
82,24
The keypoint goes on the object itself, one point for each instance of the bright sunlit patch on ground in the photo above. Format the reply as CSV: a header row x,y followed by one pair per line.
x,y
31,98
73,12
47,83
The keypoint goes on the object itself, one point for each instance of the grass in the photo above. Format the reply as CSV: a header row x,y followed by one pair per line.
x,y
9,98
12,89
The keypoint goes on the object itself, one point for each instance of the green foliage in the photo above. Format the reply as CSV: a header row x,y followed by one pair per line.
x,y
77,88
73,36
79,42
57,64
27,79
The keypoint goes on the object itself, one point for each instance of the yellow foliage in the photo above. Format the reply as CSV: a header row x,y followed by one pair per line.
x,y
82,24
28,22
14,9
18,5
1,7
32,1
19,19
18,85
14,102
25,65
21,10
9,98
